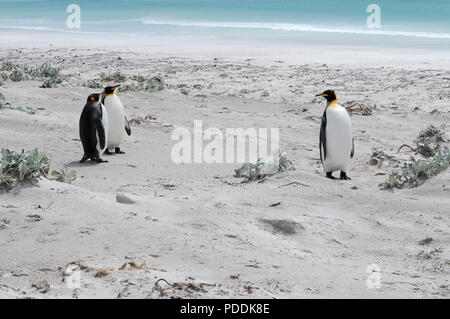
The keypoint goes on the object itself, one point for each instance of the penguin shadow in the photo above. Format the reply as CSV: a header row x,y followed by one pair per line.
x,y
84,164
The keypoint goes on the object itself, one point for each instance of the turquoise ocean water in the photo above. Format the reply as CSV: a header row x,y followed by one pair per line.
x,y
416,23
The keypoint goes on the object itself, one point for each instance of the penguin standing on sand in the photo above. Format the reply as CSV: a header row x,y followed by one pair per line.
x,y
336,143
93,128
118,123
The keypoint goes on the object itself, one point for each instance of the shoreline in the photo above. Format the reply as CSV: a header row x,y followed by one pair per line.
x,y
257,51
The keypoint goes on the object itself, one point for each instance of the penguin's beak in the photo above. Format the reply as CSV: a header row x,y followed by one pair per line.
x,y
322,94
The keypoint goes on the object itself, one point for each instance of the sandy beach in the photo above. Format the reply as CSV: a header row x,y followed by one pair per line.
x,y
194,230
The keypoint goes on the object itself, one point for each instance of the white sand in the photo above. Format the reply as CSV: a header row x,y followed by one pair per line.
x,y
194,223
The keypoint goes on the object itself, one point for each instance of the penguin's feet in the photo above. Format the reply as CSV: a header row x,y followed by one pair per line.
x,y
84,159
330,176
118,151
344,176
107,152
99,160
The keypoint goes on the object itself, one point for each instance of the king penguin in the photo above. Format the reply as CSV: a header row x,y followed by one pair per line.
x,y
336,144
93,128
118,122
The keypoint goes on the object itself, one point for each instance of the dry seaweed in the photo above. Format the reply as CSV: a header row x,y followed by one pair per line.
x,y
142,119
354,107
378,157
429,141
22,167
179,287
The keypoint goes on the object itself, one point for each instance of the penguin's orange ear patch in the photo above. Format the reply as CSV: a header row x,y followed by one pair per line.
x,y
92,98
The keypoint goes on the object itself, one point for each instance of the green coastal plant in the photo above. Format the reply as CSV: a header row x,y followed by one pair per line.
x,y
17,76
3,102
262,168
44,72
429,143
415,172
93,84
140,83
113,77
23,167
7,105
64,175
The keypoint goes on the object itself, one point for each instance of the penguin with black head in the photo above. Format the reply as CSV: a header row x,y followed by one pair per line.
x,y
93,128
118,123
336,145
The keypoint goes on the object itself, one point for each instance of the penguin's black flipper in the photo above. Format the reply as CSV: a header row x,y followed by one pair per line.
x,y
101,132
353,148
127,126
323,137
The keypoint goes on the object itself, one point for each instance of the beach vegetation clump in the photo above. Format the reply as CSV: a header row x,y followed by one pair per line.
x,y
64,175
113,77
3,102
260,169
49,83
16,73
141,83
138,78
23,167
155,83
415,172
43,71
4,76
25,109
7,105
8,66
49,74
17,76
93,84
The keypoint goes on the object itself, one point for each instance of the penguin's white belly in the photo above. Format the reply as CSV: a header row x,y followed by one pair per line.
x,y
116,117
105,126
339,139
